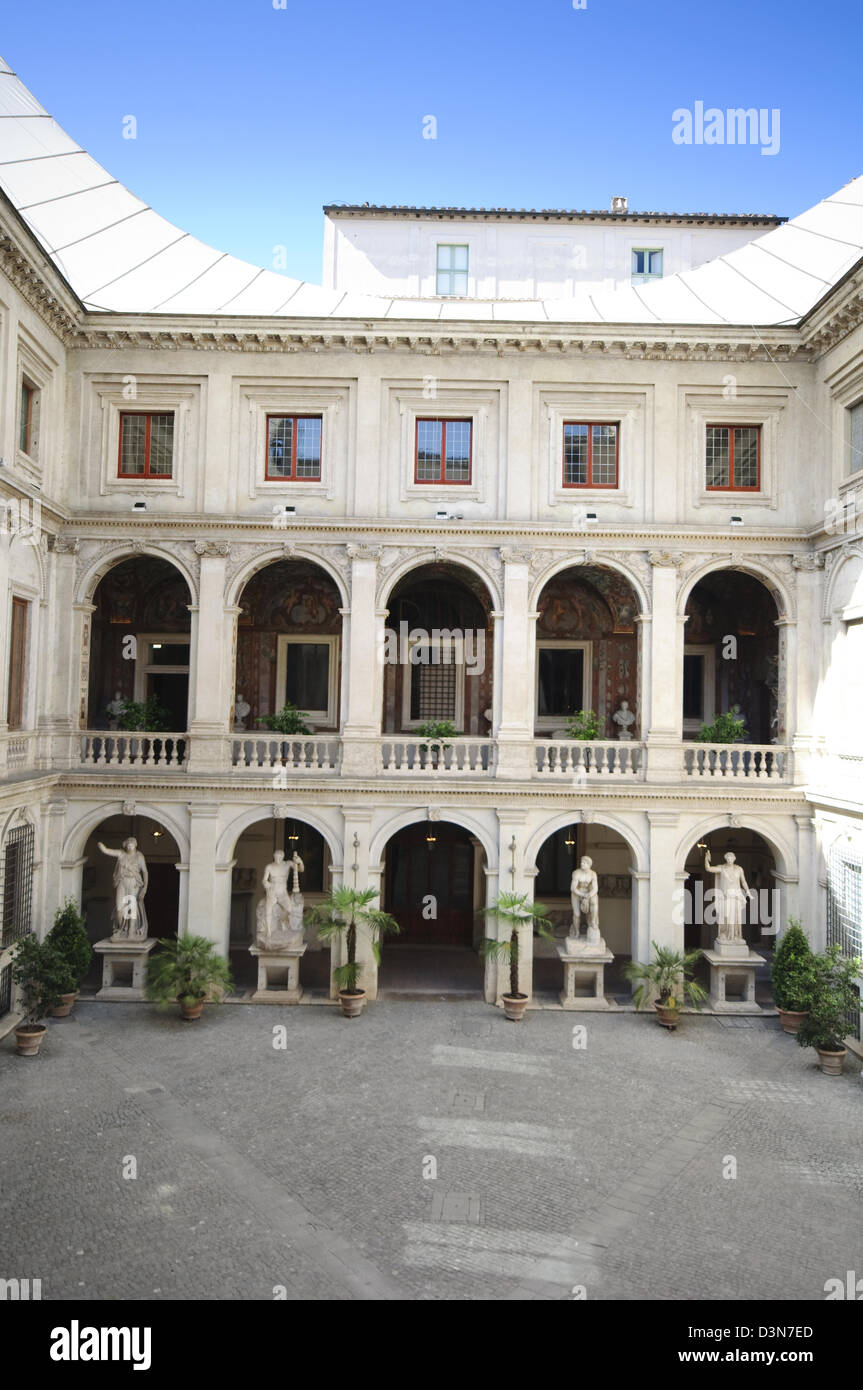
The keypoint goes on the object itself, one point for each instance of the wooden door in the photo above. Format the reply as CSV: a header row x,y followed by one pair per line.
x,y
424,880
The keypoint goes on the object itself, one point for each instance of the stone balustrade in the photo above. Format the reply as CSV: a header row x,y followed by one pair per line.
x,y
590,761
766,762
286,754
465,756
133,750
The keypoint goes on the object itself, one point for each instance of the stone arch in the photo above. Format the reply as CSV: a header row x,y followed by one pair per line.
x,y
227,841
619,567
420,559
637,848
467,821
35,554
783,853
786,608
103,564
842,569
76,838
262,560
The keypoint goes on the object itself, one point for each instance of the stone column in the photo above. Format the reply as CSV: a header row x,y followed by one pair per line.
x,y
664,732
511,879
358,872
804,652
53,832
205,916
59,705
809,869
662,928
363,654
514,676
640,932
210,695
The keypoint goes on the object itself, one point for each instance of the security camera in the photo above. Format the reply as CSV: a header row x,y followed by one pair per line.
x,y
139,506
736,520
443,516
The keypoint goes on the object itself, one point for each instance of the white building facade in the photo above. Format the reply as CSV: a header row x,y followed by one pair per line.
x,y
224,489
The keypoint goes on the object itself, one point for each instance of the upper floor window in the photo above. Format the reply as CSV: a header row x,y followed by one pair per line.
x,y
451,270
443,452
17,663
733,458
855,437
27,417
146,445
646,265
294,448
590,455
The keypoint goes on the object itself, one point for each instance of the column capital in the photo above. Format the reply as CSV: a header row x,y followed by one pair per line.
x,y
213,550
665,559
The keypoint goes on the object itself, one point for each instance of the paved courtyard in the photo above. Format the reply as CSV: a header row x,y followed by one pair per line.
x,y
557,1167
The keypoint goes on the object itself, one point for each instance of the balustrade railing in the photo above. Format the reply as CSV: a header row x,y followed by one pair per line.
x,y
590,761
464,756
767,762
133,749
271,753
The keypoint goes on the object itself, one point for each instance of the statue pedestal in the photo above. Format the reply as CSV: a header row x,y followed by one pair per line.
x,y
278,974
731,950
124,967
735,970
584,965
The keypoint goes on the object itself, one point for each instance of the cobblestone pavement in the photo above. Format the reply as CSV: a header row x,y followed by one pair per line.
x,y
558,1167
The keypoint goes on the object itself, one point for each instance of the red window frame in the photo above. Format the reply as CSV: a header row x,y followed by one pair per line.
x,y
732,486
17,662
292,476
148,416
590,425
443,481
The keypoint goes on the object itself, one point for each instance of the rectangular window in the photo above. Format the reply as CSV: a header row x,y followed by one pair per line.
x,y
590,455
146,446
733,458
17,663
451,270
646,265
699,677
433,688
855,438
307,675
17,884
562,681
26,419
293,448
443,451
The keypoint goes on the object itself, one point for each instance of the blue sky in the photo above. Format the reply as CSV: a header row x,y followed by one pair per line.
x,y
249,118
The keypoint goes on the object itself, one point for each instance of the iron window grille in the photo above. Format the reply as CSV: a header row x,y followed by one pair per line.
x,y
17,896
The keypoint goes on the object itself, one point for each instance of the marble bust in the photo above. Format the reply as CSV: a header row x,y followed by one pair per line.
x,y
241,712
624,719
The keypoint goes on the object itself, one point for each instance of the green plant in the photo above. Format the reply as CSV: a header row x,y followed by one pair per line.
x,y
515,910
40,973
436,731
667,975
341,913
584,725
792,972
725,728
832,1002
289,720
187,969
69,935
145,716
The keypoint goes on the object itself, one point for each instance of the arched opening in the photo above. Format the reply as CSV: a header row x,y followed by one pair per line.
x,y
253,851
587,652
289,645
611,860
438,663
731,660
140,647
162,898
763,914
433,884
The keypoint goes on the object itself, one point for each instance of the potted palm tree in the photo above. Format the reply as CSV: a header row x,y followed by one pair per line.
x,y
185,972
342,913
39,972
668,976
833,1001
792,975
515,910
69,935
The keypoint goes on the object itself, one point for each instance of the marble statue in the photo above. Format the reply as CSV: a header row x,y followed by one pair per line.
x,y
130,886
584,893
624,719
732,893
241,712
114,709
279,914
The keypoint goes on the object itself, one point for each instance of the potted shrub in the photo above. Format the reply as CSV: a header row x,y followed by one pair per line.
x,y
436,732
37,970
832,1002
515,909
341,913
143,716
289,720
185,972
725,728
69,936
668,976
792,975
583,725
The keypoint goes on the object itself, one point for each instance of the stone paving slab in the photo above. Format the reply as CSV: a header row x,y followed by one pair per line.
x,y
425,1151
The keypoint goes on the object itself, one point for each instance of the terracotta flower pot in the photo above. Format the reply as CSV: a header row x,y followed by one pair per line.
x,y
191,1009
64,1009
831,1063
28,1038
352,1001
790,1019
668,1015
514,1006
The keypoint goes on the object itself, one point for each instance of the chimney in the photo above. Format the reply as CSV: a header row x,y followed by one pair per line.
x,y
619,204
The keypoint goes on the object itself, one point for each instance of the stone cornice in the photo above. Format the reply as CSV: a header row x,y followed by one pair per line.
x,y
30,275
835,317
